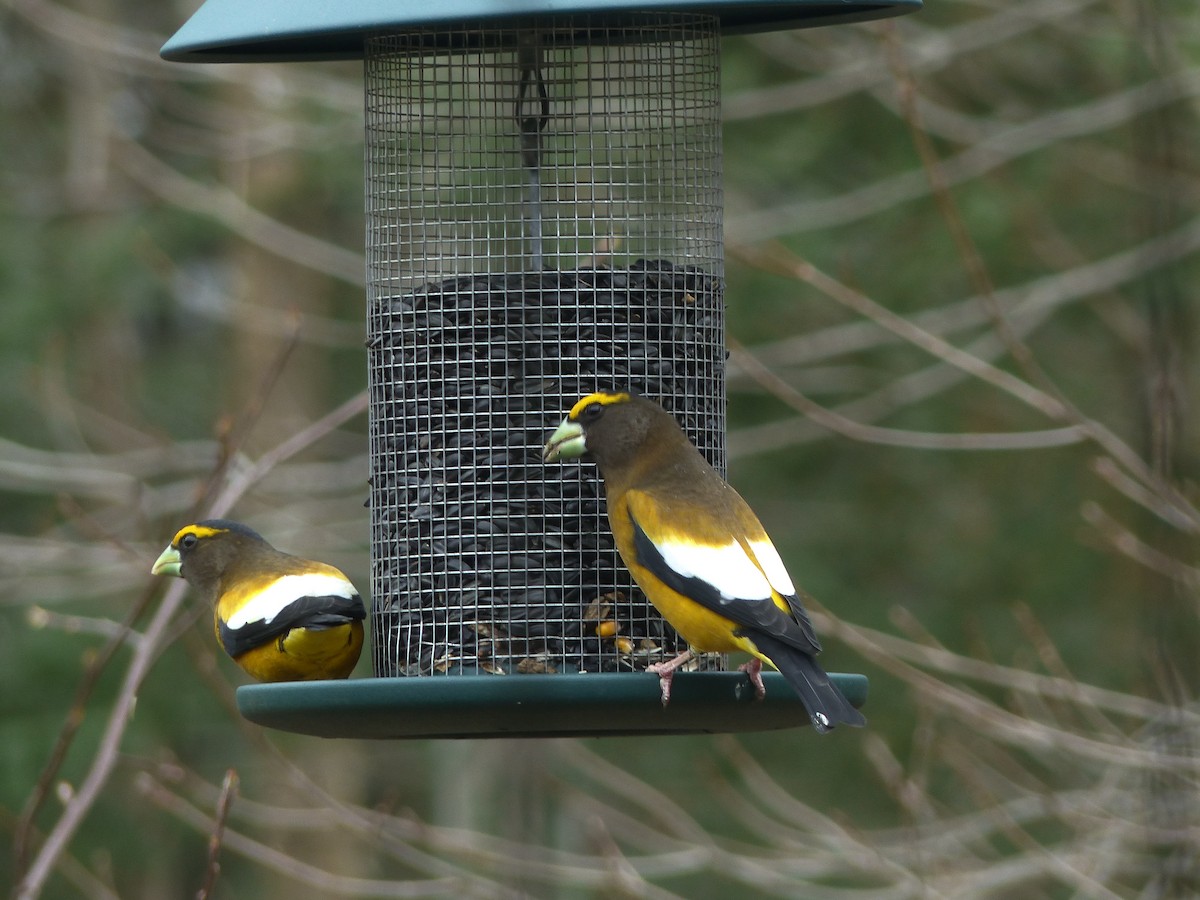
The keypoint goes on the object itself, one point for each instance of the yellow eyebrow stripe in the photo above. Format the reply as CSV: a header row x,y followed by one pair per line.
x,y
604,398
200,531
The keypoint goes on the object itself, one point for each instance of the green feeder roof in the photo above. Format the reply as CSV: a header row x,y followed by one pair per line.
x,y
290,30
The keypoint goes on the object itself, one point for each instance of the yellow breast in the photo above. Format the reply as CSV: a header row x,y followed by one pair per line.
x,y
305,654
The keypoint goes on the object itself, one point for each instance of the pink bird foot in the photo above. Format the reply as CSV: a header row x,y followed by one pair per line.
x,y
666,672
754,670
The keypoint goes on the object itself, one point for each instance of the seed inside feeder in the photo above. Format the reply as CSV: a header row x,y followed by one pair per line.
x,y
490,560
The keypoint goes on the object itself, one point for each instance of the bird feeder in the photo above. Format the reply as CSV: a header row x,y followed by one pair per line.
x,y
543,201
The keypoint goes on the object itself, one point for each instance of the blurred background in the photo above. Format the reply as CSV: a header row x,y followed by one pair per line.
x,y
962,249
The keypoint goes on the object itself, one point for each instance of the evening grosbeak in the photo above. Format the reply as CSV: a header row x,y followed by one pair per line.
x,y
696,549
280,617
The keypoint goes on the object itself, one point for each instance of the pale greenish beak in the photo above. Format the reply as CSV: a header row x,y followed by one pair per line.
x,y
567,442
168,563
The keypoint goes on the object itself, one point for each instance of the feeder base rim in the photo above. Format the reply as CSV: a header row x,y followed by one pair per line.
x,y
516,706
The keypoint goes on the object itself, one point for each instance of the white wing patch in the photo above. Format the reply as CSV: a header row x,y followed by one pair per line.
x,y
772,566
281,593
728,568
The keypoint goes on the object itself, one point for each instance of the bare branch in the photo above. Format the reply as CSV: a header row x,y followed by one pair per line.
x,y
986,156
930,52
213,868
872,434
296,869
223,205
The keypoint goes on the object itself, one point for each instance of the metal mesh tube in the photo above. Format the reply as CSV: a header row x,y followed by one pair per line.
x,y
544,220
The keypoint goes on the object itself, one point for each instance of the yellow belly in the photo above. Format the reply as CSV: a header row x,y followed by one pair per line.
x,y
704,630
306,655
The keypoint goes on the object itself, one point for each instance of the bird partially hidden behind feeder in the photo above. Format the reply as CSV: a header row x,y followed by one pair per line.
x,y
697,550
280,617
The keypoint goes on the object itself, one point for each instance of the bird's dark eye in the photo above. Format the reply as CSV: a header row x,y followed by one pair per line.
x,y
592,412
188,541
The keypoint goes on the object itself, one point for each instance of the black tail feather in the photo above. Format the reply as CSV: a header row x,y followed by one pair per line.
x,y
826,705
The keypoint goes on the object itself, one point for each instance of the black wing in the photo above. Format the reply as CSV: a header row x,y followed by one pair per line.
x,y
759,615
317,613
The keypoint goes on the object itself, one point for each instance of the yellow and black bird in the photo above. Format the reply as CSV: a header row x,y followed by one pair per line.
x,y
280,617
696,549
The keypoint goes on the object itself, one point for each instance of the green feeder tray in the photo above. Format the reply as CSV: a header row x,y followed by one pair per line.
x,y
512,706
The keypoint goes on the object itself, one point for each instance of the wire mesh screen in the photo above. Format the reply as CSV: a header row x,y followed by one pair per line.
x,y
544,220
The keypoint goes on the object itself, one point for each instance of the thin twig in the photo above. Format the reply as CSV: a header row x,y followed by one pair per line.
x,y
213,867
779,259
237,432
38,617
948,662
298,870
1035,297
874,434
1147,499
986,156
82,800
223,205
1130,545
968,251
930,53
22,839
